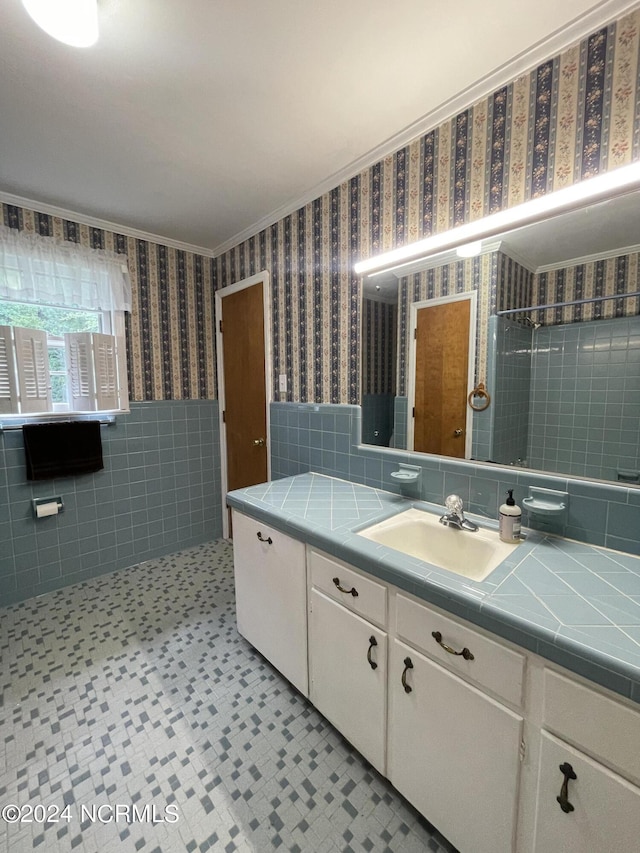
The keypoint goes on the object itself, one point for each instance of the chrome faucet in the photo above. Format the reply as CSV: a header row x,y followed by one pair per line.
x,y
454,517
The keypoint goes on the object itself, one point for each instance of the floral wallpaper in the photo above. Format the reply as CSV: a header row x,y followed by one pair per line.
x,y
606,277
575,115
379,342
170,340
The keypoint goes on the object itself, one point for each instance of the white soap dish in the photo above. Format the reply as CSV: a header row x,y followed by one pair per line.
x,y
546,502
405,476
543,507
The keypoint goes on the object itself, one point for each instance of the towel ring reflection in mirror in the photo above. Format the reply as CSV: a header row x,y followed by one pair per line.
x,y
479,391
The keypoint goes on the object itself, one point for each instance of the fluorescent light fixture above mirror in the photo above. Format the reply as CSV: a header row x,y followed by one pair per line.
x,y
74,22
469,250
607,185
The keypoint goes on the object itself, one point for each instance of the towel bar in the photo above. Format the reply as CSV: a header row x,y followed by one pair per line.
x,y
111,419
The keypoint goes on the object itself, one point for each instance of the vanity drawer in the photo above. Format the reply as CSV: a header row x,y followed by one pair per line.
x,y
331,576
607,729
495,667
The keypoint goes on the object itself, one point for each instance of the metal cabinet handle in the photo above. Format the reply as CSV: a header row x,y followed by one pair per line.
x,y
372,643
268,540
258,442
569,773
353,591
466,654
457,433
407,665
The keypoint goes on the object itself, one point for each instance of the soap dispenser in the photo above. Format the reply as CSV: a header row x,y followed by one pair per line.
x,y
510,519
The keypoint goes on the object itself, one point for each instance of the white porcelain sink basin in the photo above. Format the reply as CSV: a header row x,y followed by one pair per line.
x,y
417,533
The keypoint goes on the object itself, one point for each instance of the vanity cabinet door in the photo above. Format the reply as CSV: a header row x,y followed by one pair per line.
x,y
453,752
604,809
348,674
271,596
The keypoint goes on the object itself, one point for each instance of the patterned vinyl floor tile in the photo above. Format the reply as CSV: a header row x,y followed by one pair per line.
x,y
133,717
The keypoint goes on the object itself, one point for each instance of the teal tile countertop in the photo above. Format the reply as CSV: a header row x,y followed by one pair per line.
x,y
575,604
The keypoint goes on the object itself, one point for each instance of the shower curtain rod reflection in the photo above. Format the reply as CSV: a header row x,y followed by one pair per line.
x,y
567,304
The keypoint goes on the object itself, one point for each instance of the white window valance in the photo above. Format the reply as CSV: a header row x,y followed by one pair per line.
x,y
44,270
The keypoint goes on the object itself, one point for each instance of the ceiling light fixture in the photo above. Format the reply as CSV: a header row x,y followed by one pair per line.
x,y
618,181
74,22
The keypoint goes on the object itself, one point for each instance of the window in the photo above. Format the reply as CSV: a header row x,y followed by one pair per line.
x,y
62,343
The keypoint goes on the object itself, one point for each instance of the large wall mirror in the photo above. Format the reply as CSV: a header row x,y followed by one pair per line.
x,y
527,353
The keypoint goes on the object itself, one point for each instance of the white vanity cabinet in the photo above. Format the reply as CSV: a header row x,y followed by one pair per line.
x,y
588,799
454,751
482,737
271,596
582,806
348,653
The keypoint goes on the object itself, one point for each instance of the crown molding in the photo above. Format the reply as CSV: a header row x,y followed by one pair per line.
x,y
551,46
589,259
521,260
93,222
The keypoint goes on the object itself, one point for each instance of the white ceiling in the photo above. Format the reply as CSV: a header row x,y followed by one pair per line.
x,y
200,121
597,230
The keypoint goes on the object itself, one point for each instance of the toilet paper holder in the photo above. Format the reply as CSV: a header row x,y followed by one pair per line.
x,y
44,507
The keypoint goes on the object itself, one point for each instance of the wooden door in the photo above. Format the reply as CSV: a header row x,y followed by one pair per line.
x,y
348,675
245,403
454,753
441,378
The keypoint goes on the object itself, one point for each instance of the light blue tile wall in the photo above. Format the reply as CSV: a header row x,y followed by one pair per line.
x,y
400,421
325,438
585,398
158,492
482,433
482,425
512,387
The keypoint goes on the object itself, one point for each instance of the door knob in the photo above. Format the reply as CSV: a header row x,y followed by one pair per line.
x,y
258,442
457,433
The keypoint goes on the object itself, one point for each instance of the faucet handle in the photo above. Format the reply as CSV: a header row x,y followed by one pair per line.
x,y
454,504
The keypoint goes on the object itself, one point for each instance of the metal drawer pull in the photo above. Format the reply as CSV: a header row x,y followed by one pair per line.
x,y
268,540
563,799
407,665
353,591
372,642
466,654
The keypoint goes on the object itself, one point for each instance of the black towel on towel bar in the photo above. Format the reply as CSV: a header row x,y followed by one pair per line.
x,y
62,449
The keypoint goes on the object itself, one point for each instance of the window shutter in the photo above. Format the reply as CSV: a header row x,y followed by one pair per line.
x,y
106,370
33,370
8,385
80,369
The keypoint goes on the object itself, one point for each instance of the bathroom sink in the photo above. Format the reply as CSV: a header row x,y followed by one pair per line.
x,y
473,555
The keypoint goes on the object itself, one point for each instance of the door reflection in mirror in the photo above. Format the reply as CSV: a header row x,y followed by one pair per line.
x,y
442,343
